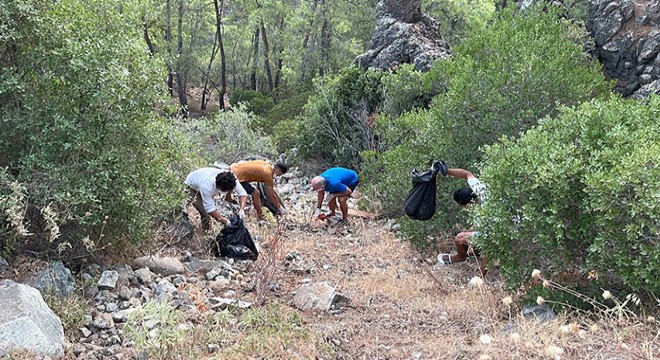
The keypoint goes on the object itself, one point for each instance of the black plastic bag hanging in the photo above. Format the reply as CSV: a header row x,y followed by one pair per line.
x,y
235,241
421,201
265,199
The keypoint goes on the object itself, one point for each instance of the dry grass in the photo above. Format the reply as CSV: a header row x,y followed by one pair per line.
x,y
403,306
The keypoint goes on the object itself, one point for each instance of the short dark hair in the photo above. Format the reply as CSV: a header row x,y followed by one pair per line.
x,y
225,181
464,196
282,166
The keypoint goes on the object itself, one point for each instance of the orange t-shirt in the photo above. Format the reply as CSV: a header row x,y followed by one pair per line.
x,y
254,171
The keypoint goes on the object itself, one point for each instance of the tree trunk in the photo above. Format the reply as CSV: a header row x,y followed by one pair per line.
x,y
214,51
326,35
223,64
269,74
168,43
255,60
147,39
305,45
278,70
180,75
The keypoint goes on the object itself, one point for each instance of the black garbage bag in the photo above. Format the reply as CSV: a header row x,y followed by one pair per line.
x,y
420,203
265,200
235,241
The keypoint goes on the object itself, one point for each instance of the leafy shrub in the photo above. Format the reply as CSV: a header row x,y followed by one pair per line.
x,y
289,108
229,137
254,101
285,134
338,121
460,17
578,194
502,80
78,128
406,89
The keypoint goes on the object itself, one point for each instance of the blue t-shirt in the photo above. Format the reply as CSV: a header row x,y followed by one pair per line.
x,y
338,179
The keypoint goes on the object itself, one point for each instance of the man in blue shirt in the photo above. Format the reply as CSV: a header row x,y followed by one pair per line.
x,y
340,183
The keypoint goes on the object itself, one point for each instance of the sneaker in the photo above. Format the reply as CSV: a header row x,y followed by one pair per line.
x,y
341,222
444,259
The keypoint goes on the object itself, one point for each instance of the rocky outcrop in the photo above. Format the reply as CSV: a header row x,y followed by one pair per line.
x,y
403,35
627,35
27,324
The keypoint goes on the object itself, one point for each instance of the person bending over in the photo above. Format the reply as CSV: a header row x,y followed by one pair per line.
x,y
475,193
204,185
263,172
340,183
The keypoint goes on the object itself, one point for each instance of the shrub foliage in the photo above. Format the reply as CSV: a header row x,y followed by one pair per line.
x,y
578,194
520,68
78,127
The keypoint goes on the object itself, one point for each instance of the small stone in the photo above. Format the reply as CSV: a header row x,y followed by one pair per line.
x,y
85,332
103,321
125,293
111,307
143,275
92,270
178,279
211,275
212,348
4,265
108,280
193,280
90,291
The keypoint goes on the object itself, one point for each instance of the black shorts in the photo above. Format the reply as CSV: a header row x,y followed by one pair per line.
x,y
248,188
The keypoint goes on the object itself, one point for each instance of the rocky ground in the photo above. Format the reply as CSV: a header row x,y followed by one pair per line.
x,y
316,291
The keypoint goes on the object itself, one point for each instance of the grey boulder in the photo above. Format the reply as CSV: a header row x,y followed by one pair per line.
x,y
27,323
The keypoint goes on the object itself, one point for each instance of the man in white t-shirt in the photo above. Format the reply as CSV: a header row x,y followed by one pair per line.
x,y
474,194
208,182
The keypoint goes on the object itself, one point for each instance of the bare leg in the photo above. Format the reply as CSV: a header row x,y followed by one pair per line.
x,y
461,243
343,205
199,206
332,205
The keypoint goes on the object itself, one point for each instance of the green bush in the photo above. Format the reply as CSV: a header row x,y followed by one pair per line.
x,y
228,137
520,68
338,120
288,109
254,101
78,127
579,193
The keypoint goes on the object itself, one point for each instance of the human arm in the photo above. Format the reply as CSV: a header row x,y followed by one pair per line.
x,y
274,199
460,173
319,201
216,215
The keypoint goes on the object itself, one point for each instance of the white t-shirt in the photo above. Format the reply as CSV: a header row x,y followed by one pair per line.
x,y
203,180
478,187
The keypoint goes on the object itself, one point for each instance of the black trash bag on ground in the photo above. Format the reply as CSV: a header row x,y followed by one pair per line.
x,y
420,203
265,200
235,241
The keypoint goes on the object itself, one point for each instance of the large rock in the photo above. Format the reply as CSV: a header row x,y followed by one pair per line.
x,y
55,279
27,323
160,265
403,35
317,296
627,36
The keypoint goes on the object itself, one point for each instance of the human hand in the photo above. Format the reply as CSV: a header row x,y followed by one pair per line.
x,y
241,213
282,210
223,220
317,213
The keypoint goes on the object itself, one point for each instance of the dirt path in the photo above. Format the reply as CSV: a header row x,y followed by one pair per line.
x,y
401,306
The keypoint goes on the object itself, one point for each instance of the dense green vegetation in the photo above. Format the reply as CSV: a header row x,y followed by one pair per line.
x,y
578,194
105,106
85,153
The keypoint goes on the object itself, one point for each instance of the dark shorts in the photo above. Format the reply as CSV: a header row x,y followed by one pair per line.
x,y
354,185
248,188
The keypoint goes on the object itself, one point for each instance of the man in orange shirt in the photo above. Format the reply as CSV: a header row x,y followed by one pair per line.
x,y
263,172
